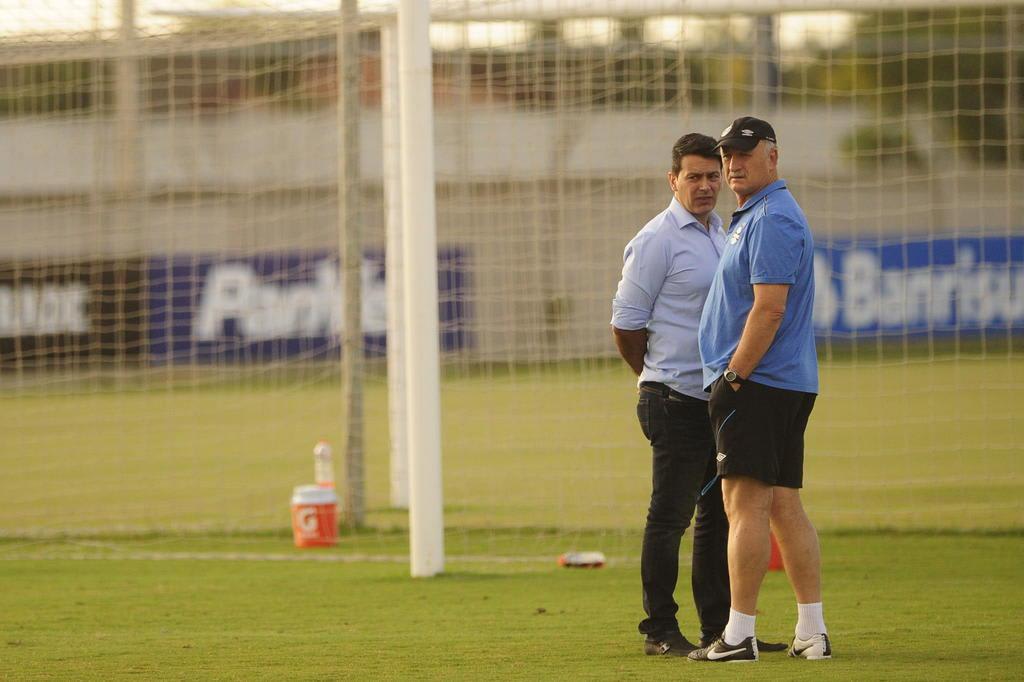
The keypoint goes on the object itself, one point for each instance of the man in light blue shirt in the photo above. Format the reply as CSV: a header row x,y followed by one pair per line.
x,y
668,267
757,347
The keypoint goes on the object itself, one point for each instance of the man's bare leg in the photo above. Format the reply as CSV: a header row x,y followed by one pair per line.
x,y
748,504
798,543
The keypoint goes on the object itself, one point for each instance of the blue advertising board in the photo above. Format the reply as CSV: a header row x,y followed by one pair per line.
x,y
919,286
271,306
262,308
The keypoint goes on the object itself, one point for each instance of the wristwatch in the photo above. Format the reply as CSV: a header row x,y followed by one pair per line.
x,y
733,378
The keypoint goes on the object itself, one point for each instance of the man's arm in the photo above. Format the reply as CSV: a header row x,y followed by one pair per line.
x,y
762,324
632,345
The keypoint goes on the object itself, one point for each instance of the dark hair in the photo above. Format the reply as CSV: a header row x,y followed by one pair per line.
x,y
693,143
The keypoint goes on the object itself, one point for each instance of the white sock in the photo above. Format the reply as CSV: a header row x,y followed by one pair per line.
x,y
739,627
810,621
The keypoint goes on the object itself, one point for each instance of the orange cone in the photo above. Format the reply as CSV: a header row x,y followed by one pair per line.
x,y
775,561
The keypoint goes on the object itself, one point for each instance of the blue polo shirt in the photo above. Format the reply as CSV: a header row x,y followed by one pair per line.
x,y
667,270
769,242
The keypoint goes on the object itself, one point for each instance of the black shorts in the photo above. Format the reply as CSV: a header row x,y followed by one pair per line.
x,y
759,431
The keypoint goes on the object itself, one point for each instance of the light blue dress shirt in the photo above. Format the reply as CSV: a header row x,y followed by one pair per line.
x,y
667,271
769,242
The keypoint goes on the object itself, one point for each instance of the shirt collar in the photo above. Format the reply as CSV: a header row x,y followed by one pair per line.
x,y
764,191
685,218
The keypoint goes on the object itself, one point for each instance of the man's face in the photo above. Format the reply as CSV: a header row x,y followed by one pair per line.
x,y
748,172
697,184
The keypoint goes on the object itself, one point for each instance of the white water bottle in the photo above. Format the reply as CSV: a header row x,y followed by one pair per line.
x,y
582,560
323,464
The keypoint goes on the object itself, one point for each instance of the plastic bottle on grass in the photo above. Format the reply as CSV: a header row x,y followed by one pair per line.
x,y
582,560
323,463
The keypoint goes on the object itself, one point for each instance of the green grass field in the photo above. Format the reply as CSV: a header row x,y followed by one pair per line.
x,y
145,530
899,607
909,444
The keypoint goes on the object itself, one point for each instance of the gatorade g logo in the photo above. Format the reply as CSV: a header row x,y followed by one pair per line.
x,y
307,521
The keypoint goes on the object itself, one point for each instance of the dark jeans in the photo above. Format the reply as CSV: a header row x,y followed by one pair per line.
x,y
683,448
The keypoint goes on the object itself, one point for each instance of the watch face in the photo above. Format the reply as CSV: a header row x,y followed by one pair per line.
x,y
730,375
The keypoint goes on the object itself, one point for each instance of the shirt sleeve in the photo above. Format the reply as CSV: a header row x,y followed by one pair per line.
x,y
775,249
645,266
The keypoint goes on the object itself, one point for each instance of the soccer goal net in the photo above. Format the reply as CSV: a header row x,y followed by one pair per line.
x,y
170,290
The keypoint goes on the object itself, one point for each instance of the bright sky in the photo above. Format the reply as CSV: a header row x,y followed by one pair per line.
x,y
796,29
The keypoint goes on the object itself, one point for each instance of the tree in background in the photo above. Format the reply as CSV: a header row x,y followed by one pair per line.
x,y
960,67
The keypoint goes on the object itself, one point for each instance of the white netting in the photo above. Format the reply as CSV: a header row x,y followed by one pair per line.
x,y
170,296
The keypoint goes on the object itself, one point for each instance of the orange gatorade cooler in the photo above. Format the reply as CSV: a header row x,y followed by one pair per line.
x,y
314,516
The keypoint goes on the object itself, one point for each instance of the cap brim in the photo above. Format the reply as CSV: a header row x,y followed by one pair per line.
x,y
744,144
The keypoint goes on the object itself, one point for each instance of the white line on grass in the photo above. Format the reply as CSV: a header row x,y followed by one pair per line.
x,y
253,556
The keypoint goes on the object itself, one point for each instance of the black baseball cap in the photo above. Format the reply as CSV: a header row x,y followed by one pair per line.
x,y
745,132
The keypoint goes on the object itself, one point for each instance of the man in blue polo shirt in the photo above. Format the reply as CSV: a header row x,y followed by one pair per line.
x,y
668,267
757,348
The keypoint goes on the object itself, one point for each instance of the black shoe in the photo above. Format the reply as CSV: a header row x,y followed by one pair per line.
x,y
720,652
668,644
762,647
770,647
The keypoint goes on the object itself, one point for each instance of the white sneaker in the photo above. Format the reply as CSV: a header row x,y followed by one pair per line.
x,y
817,648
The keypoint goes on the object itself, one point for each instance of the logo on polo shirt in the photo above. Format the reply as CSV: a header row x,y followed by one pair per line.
x,y
735,235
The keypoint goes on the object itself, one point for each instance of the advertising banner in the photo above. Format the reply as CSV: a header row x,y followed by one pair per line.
x,y
917,287
279,305
59,314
